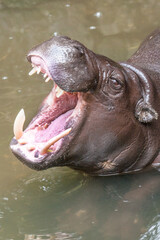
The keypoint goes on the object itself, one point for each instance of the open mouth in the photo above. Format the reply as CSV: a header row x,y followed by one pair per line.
x,y
52,129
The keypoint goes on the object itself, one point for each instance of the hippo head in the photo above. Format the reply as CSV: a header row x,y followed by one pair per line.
x,y
98,118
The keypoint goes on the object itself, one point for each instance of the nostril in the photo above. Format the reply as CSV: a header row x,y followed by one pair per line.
x,y
80,50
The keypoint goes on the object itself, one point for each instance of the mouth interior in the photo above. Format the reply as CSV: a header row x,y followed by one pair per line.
x,y
54,119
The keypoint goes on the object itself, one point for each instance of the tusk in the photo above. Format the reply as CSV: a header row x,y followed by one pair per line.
x,y
34,70
54,140
18,124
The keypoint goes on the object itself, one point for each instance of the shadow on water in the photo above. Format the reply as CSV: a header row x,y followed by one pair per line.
x,y
64,204
60,203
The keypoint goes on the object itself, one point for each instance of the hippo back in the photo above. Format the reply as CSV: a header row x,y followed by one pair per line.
x,y
148,54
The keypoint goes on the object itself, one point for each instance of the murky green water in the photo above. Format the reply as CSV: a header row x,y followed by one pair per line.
x,y
61,203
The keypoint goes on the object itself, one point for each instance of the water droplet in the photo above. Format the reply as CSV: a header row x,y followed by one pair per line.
x,y
55,34
92,27
4,77
98,14
5,199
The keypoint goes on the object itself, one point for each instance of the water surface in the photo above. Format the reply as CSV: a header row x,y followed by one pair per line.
x,y
61,203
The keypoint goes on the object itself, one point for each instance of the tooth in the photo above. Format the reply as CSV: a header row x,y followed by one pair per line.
x,y
45,126
54,140
38,70
45,75
47,79
22,141
30,148
59,92
18,124
34,70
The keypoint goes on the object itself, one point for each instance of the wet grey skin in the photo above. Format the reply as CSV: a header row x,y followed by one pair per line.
x,y
115,114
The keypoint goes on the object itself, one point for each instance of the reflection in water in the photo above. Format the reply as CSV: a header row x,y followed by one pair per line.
x,y
61,203
153,231
56,236
75,206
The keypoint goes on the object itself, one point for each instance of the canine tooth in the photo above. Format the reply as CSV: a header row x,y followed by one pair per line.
x,y
18,124
47,79
38,70
34,70
54,140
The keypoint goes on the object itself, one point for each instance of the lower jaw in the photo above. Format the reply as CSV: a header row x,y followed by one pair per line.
x,y
33,141
59,151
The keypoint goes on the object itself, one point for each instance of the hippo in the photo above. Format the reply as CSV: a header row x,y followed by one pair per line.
x,y
101,117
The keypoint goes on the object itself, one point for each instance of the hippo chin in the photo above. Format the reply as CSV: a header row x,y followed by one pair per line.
x,y
101,117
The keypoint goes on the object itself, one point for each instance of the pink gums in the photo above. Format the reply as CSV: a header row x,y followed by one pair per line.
x,y
56,127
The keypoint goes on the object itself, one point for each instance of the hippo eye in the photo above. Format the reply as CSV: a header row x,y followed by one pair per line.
x,y
80,50
115,84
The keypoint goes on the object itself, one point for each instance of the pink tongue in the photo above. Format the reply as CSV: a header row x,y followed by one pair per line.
x,y
53,129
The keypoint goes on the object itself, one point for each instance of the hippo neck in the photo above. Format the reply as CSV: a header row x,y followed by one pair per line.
x,y
147,55
151,149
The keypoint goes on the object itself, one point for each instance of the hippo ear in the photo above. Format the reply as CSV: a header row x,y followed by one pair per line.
x,y
144,112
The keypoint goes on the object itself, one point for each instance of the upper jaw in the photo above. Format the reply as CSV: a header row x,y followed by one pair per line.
x,y
71,65
26,146
39,66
